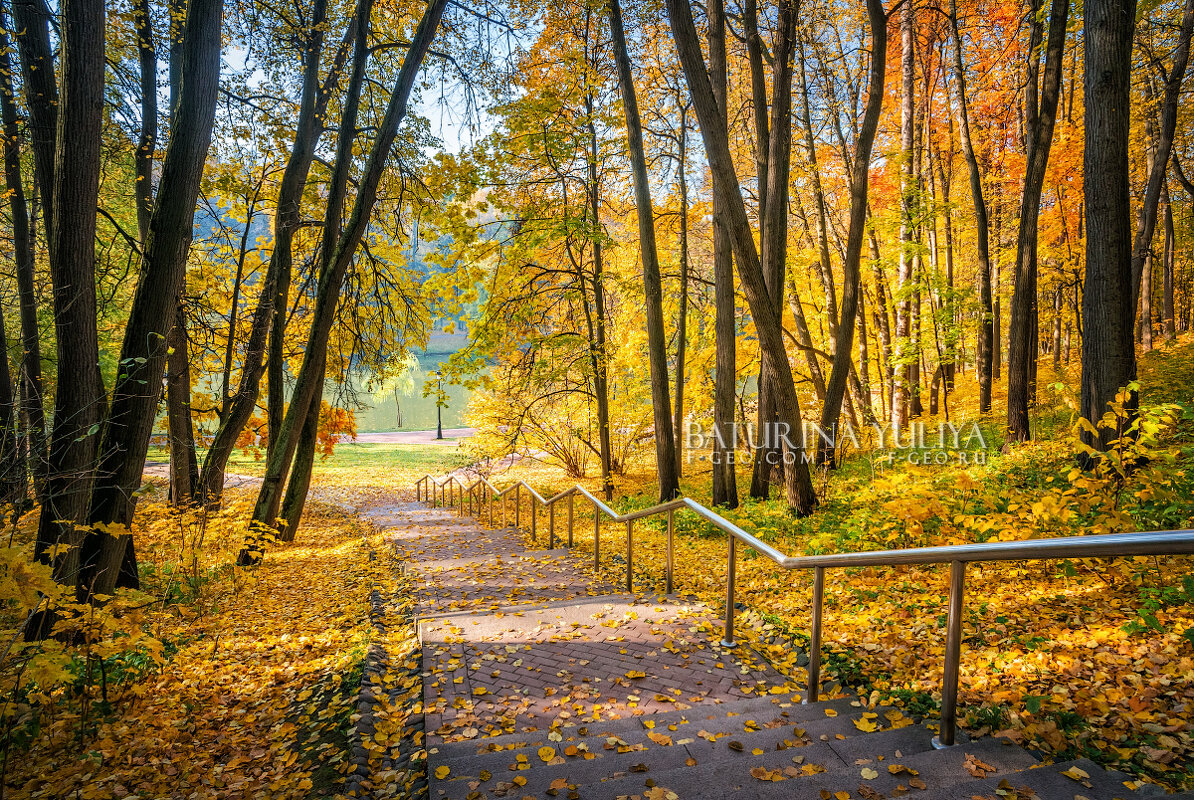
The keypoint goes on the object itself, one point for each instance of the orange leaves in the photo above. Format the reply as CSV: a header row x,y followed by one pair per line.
x,y
976,766
255,665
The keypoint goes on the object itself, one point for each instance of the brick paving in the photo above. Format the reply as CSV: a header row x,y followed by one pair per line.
x,y
516,639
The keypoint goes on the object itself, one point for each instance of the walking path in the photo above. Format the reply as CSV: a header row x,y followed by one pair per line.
x,y
452,436
541,681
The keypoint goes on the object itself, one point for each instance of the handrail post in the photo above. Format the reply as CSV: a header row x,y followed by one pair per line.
x,y
551,526
571,515
671,521
418,489
460,498
953,655
630,556
471,492
517,506
728,639
596,538
489,502
534,517
814,639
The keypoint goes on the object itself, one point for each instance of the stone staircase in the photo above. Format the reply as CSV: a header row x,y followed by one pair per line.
x,y
539,681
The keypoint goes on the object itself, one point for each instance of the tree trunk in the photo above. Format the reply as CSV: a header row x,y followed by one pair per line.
x,y
851,266
75,196
300,475
598,352
725,381
33,400
774,227
1056,344
665,444
682,311
986,331
764,457
12,468
184,462
154,309
1040,122
337,192
31,20
864,366
148,142
904,275
1167,280
801,495
1108,302
286,222
1147,218
951,318
804,340
310,375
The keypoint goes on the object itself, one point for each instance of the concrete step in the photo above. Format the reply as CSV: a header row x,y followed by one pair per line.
x,y
938,769
1049,782
614,755
537,635
436,568
714,717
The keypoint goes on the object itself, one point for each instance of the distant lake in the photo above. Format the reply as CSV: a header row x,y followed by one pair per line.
x,y
418,412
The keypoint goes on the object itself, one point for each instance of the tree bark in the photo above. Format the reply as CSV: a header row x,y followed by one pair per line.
x,y
310,374
801,495
75,196
1168,277
300,476
665,443
1041,117
32,24
986,331
904,274
598,354
12,468
725,380
33,400
852,264
184,461
762,458
147,144
682,311
154,309
1108,299
774,228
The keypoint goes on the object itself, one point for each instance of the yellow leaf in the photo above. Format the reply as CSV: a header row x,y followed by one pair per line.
x,y
547,753
442,772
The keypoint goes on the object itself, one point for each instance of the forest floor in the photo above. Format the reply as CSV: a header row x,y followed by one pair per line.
x,y
241,682
213,681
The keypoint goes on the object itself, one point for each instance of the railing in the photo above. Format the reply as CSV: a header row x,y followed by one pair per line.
x,y
957,556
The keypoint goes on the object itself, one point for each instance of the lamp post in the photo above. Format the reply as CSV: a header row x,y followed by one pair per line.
x,y
439,405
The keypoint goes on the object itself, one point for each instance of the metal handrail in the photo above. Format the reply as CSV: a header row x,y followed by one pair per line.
x,y
1109,545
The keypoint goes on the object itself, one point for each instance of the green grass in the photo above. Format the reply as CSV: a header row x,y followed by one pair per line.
x,y
433,458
